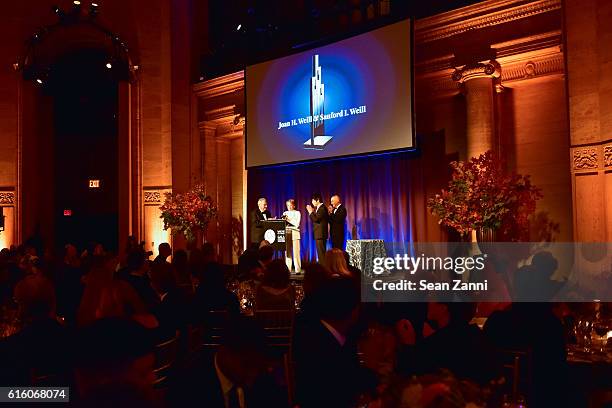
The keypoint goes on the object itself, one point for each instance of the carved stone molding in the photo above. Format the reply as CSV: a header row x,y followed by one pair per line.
x,y
607,156
223,85
221,114
584,158
518,69
152,197
478,16
530,44
7,198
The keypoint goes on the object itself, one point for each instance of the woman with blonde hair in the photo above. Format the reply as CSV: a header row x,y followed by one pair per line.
x,y
293,217
336,263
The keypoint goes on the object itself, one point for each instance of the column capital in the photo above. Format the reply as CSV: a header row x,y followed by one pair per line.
x,y
490,69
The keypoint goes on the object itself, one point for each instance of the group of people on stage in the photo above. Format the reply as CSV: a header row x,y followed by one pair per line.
x,y
327,223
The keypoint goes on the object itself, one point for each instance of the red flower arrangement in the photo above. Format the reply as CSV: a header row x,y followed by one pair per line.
x,y
188,212
481,194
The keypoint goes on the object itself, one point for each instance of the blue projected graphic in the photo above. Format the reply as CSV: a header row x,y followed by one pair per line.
x,y
350,97
318,139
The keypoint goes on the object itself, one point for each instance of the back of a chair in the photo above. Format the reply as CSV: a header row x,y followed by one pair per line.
x,y
517,368
213,327
278,326
289,369
165,356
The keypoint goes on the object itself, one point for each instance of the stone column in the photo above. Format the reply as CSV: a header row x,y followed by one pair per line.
x,y
224,203
479,81
208,131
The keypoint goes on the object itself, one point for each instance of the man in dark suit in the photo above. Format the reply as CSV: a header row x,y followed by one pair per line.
x,y
233,376
173,311
337,222
259,215
319,216
327,369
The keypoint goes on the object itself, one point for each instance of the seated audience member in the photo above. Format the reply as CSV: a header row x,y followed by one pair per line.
x,y
265,256
199,258
182,276
69,285
208,253
39,348
164,252
315,275
275,291
137,275
327,369
455,345
99,277
533,283
336,263
120,300
534,327
353,269
248,261
173,309
212,294
110,355
236,375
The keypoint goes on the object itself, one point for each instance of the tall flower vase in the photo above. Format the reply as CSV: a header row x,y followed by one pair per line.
x,y
485,234
484,237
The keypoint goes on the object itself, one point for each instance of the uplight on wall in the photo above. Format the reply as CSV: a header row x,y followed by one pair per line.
x,y
94,183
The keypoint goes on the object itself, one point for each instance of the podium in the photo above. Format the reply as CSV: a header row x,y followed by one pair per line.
x,y
274,233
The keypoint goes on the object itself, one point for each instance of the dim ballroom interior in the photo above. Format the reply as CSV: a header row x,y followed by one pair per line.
x,y
198,197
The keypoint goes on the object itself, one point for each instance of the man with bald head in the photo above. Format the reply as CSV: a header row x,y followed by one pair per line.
x,y
337,222
259,215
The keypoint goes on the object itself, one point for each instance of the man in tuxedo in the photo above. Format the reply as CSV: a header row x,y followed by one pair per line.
x,y
319,216
337,221
259,215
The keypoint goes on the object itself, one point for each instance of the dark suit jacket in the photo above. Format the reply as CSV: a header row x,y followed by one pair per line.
x,y
326,373
337,225
200,387
470,356
257,231
320,219
173,313
40,347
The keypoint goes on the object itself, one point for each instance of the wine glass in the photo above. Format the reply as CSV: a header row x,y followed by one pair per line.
x,y
601,328
299,295
582,330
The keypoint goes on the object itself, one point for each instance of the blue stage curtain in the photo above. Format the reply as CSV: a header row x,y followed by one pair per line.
x,y
384,195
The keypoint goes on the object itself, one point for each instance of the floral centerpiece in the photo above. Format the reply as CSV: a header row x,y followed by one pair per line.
x,y
437,390
188,212
482,195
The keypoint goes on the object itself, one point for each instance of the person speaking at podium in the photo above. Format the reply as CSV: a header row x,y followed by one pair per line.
x,y
293,217
258,215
